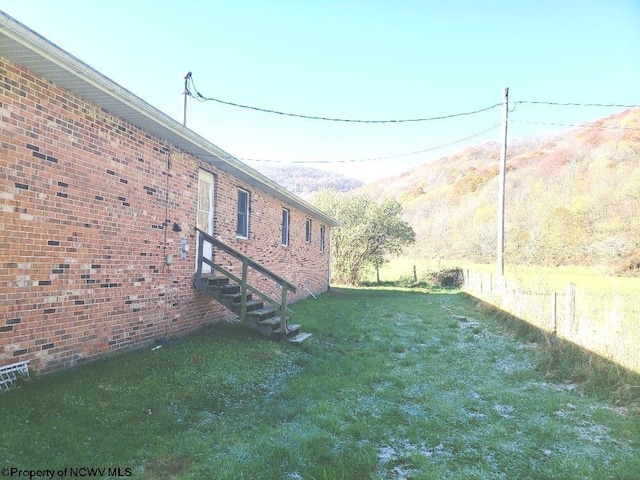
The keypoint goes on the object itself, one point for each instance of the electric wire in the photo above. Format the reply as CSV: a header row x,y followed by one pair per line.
x,y
201,98
575,104
195,94
602,127
373,159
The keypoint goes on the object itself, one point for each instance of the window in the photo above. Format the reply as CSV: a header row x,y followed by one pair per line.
x,y
322,238
242,230
285,227
308,231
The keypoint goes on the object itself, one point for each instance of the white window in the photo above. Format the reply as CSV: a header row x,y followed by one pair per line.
x,y
242,229
322,238
308,231
285,226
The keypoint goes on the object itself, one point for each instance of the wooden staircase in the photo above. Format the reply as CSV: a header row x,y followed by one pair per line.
x,y
270,317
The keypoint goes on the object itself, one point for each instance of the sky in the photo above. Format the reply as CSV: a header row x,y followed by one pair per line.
x,y
356,59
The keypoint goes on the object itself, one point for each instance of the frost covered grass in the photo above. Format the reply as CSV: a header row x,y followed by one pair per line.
x,y
393,384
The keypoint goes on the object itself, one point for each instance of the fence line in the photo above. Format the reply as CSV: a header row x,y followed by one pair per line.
x,y
606,324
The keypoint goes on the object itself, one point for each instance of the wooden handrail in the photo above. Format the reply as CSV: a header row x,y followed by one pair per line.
x,y
243,282
238,280
251,263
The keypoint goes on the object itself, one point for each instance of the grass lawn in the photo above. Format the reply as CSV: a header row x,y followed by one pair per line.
x,y
393,384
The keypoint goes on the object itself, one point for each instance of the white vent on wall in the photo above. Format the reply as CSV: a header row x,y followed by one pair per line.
x,y
10,373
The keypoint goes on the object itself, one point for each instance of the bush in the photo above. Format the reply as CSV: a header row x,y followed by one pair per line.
x,y
449,278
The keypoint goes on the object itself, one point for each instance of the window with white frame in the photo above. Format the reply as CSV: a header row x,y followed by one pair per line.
x,y
308,231
242,228
285,226
322,238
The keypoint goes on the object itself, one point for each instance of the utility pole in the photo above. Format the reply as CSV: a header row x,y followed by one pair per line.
x,y
186,94
503,171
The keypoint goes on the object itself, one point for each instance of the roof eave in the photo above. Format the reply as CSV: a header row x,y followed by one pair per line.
x,y
83,80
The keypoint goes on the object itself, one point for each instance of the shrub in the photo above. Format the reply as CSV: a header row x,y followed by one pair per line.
x,y
448,278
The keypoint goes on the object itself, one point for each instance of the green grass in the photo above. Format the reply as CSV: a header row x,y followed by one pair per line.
x,y
606,306
596,281
393,384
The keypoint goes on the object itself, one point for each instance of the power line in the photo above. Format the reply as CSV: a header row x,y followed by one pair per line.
x,y
201,98
571,104
375,158
602,127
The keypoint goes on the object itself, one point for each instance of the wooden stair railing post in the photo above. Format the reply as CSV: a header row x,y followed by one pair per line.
x,y
243,289
243,281
283,311
200,250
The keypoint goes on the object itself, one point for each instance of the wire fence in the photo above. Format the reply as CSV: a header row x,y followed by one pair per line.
x,y
606,323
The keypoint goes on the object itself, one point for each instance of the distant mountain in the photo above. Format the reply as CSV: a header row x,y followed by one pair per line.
x,y
304,181
571,198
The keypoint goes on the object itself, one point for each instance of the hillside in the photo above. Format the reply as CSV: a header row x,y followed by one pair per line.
x,y
304,181
571,198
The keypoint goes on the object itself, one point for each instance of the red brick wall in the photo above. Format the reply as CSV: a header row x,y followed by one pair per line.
x,y
87,204
301,262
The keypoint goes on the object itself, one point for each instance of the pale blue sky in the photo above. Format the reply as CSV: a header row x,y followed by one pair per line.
x,y
355,59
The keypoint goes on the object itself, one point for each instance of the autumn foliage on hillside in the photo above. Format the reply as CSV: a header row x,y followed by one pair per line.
x,y
304,181
571,198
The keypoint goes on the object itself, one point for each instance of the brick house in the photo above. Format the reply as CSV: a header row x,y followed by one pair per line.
x,y
100,198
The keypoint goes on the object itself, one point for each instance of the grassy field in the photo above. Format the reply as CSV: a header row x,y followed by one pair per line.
x,y
595,280
393,384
